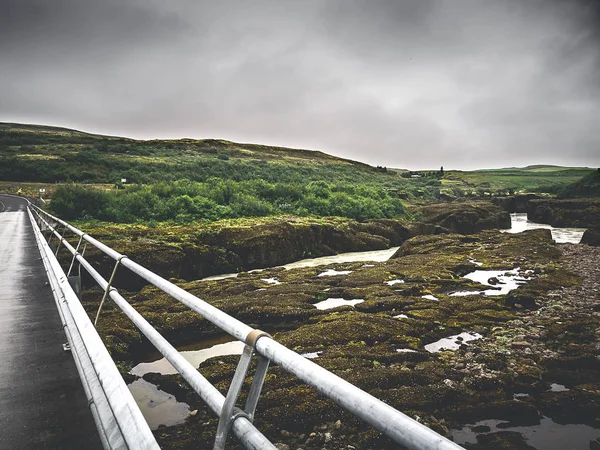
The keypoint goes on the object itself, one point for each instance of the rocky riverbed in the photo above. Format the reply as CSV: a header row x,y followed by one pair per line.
x,y
544,332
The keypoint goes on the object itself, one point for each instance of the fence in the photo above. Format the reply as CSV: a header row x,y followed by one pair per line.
x,y
121,424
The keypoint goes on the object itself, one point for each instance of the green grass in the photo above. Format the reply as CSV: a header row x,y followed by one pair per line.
x,y
537,179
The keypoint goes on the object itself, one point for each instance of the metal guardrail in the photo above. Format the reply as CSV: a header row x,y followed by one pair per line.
x,y
394,424
118,419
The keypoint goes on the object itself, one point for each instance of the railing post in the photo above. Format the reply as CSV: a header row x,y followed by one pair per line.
x,y
230,413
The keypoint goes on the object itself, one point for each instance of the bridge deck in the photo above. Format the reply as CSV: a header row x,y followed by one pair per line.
x,y
42,402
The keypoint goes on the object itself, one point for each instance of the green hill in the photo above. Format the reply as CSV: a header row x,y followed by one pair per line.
x,y
188,179
588,186
51,154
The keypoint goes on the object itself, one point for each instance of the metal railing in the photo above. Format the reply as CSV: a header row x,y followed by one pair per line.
x,y
394,424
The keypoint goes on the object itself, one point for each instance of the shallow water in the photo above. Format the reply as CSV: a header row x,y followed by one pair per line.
x,y
335,302
452,342
519,223
508,280
312,355
271,280
375,256
333,273
196,356
161,408
158,407
548,435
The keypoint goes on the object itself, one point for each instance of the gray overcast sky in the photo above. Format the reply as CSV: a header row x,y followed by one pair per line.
x,y
409,83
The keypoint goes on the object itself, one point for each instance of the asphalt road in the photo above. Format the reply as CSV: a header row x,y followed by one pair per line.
x,y
42,402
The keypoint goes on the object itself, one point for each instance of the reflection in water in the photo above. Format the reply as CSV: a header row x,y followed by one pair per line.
x,y
375,256
161,408
548,435
312,355
452,342
195,357
271,280
519,223
504,281
333,273
335,302
158,407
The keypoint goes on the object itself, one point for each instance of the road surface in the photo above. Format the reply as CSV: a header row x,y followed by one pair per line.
x,y
42,402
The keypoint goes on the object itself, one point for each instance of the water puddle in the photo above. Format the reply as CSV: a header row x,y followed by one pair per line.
x,y
158,407
548,435
333,273
312,355
501,281
393,282
195,357
335,302
430,297
221,277
452,342
406,350
555,387
271,280
519,223
520,395
401,316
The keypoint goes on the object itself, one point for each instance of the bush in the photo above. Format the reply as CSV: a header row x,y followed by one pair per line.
x,y
75,202
185,201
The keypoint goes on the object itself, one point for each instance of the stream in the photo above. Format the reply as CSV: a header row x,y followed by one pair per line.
x,y
520,223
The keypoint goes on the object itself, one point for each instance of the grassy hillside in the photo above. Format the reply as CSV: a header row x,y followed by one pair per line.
x,y
588,186
186,179
540,179
48,154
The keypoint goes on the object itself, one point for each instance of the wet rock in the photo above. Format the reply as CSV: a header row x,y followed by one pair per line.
x,y
465,217
591,236
502,440
515,204
520,344
577,212
571,406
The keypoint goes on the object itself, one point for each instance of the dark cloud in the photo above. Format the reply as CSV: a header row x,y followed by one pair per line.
x,y
462,83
